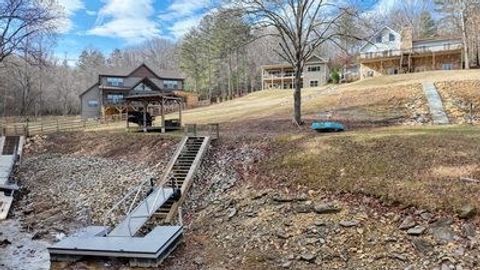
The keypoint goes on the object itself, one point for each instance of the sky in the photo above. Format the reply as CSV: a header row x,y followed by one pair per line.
x,y
110,24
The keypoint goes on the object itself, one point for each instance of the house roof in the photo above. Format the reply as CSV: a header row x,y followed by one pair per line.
x,y
287,65
126,71
375,34
90,88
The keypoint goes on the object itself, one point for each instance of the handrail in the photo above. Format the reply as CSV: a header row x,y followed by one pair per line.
x,y
133,190
172,161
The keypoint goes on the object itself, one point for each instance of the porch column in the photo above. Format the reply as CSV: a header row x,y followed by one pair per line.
x,y
281,80
126,119
145,104
179,111
433,61
162,112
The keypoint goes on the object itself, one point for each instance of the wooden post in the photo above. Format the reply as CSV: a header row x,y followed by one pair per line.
x,y
179,112
127,124
162,112
58,126
434,66
26,129
144,116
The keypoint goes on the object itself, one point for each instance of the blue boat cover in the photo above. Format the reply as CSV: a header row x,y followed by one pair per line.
x,y
327,126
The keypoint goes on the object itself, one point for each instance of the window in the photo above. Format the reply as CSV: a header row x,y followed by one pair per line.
x,y
115,98
448,66
170,84
142,87
379,39
92,103
313,83
314,68
391,37
118,82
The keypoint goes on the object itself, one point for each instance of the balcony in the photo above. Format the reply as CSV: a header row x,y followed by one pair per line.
x,y
382,54
117,101
285,75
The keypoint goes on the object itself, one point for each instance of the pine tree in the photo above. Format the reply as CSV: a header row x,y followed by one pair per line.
x,y
428,26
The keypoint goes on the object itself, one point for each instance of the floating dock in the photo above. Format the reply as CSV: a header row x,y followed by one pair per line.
x,y
124,240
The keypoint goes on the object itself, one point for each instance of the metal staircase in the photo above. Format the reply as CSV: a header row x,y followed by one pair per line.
x,y
144,202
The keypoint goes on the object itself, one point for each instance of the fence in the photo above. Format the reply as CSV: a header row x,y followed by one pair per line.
x,y
46,127
212,130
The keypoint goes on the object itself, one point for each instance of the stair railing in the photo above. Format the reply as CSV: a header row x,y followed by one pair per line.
x,y
136,190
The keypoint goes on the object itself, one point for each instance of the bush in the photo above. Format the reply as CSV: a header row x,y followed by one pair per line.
x,y
335,76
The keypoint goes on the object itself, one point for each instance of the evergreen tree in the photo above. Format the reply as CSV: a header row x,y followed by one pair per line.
x,y
428,26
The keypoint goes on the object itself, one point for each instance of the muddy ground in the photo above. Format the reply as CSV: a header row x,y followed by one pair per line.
x,y
236,216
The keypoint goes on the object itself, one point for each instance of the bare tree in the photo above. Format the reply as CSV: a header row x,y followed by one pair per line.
x,y
21,20
460,13
301,25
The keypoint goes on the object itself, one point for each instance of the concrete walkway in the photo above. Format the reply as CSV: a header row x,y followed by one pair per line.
x,y
435,104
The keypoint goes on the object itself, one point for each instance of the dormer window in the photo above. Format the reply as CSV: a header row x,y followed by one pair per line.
x,y
379,39
117,82
391,37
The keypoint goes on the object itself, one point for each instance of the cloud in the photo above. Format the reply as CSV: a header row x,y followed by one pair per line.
x,y
127,19
68,8
182,15
91,12
181,27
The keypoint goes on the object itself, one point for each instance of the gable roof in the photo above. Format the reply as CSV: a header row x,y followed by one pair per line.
x,y
90,88
369,42
320,59
126,71
150,83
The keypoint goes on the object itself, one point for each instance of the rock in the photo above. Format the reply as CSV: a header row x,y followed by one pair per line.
x,y
326,209
198,260
282,235
283,198
349,223
4,242
417,230
320,223
232,211
407,223
469,230
302,208
308,257
422,245
468,211
460,251
287,264
426,216
443,234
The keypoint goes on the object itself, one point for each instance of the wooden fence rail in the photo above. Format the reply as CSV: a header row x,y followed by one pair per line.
x,y
46,127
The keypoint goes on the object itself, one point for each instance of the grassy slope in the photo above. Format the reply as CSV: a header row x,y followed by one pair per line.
x,y
418,166
379,97
413,166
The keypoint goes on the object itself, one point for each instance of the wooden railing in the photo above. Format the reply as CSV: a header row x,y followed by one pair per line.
x,y
28,128
211,130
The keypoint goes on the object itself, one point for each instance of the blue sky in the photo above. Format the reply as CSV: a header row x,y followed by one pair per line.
x,y
110,24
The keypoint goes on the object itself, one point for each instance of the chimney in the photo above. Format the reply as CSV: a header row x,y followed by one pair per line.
x,y
406,38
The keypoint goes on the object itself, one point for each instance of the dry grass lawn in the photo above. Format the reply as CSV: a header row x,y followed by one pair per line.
x,y
457,97
410,166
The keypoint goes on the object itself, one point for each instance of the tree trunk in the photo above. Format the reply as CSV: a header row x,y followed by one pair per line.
x,y
297,97
465,40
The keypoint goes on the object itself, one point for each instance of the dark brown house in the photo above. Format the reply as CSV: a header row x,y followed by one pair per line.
x,y
107,95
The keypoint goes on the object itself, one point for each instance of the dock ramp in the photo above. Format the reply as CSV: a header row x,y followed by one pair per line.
x,y
129,238
11,152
